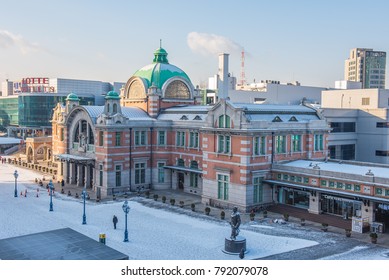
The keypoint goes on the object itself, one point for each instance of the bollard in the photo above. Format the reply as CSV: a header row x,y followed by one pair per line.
x,y
102,238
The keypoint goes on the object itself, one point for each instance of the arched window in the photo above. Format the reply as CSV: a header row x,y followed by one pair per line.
x,y
194,164
224,121
177,89
108,108
180,162
115,108
76,134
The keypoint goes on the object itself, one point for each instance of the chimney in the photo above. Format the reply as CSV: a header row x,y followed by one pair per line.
x,y
223,76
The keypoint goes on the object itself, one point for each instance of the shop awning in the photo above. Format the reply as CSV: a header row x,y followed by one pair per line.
x,y
185,169
329,191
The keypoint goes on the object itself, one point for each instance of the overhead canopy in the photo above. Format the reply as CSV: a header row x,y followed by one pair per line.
x,y
185,169
322,190
74,158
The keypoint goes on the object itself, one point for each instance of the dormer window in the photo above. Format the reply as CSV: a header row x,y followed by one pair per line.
x,y
184,118
277,119
224,121
197,118
293,119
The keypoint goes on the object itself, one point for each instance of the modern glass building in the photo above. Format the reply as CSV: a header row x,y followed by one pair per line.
x,y
26,106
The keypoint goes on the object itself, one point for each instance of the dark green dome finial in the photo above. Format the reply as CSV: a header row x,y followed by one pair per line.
x,y
160,55
72,97
112,95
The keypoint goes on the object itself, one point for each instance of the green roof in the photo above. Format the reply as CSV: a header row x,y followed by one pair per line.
x,y
72,97
112,95
160,70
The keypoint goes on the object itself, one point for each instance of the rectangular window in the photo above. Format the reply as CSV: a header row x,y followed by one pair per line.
x,y
260,145
180,139
306,180
332,184
118,176
323,183
382,153
222,183
318,142
118,138
382,124
161,172
357,188
285,177
296,143
101,138
258,190
348,187
339,185
162,138
140,173
224,144
378,191
279,176
338,127
101,175
365,101
194,140
386,192
193,180
140,138
299,179
280,144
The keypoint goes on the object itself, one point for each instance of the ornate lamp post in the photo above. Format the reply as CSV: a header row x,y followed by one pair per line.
x,y
84,194
51,186
16,183
126,209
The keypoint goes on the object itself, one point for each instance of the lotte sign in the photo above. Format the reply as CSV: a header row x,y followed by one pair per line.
x,y
34,85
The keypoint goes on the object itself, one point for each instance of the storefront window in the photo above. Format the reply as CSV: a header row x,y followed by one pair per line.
x,y
294,197
340,206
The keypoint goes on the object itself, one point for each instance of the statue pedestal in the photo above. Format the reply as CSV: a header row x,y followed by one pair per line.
x,y
234,247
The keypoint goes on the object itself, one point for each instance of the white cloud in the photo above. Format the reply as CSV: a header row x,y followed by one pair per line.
x,y
9,40
211,44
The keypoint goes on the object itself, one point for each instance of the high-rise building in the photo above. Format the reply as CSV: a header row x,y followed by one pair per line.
x,y
366,66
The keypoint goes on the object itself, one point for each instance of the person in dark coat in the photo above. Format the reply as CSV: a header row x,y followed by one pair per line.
x,y
62,183
115,221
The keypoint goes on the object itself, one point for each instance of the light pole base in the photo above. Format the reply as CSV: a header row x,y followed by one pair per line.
x,y
125,236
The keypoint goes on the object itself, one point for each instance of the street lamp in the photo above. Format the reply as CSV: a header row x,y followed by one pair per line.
x,y
84,215
16,183
51,187
126,209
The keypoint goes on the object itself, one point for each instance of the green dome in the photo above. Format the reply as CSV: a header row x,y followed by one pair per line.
x,y
112,95
72,97
160,70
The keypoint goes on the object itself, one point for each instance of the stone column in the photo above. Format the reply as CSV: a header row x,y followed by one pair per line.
x,y
87,176
80,175
72,172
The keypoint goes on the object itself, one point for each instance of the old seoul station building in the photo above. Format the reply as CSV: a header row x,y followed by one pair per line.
x,y
155,135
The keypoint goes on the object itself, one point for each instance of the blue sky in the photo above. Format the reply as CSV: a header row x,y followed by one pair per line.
x,y
306,41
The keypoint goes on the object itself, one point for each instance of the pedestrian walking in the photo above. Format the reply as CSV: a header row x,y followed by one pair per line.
x,y
115,221
37,192
62,183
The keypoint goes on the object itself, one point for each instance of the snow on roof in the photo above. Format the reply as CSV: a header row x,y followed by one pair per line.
x,y
9,140
129,112
274,107
343,167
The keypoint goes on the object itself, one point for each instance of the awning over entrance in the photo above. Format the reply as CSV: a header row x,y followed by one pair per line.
x,y
185,169
322,190
74,158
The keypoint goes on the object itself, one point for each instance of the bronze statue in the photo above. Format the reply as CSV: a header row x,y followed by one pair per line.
x,y
235,223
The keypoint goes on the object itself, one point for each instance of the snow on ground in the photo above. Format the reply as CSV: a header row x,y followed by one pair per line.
x,y
159,234
153,233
